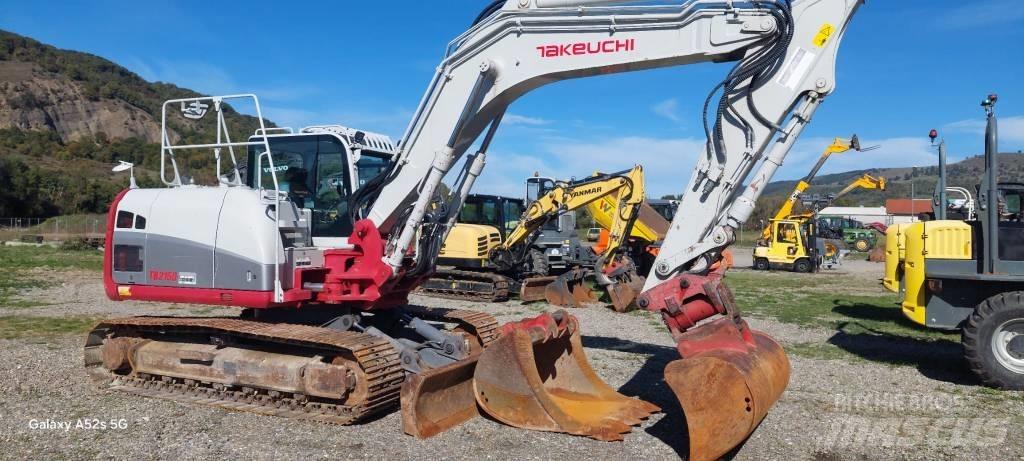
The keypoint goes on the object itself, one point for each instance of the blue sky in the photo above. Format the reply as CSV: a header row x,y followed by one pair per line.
x,y
905,67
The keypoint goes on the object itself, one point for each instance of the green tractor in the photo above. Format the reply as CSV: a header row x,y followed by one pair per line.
x,y
852,232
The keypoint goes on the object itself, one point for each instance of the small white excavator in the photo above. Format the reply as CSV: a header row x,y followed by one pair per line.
x,y
326,331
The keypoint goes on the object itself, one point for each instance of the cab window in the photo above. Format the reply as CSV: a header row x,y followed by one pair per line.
x,y
294,161
369,166
513,211
470,213
330,206
1009,205
787,233
313,171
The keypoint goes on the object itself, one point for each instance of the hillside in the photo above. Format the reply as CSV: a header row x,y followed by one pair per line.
x,y
966,173
66,117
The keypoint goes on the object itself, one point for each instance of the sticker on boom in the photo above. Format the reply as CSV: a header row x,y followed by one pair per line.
x,y
582,48
821,38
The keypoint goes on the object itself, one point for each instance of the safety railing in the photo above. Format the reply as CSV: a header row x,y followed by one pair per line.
x,y
196,109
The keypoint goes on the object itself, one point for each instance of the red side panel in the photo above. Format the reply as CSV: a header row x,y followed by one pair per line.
x,y
210,296
108,250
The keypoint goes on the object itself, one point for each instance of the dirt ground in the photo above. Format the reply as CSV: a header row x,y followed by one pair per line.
x,y
833,409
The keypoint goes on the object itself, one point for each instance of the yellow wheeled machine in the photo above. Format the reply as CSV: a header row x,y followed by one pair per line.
x,y
969,275
791,241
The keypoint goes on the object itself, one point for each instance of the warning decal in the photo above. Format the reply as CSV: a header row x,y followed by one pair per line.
x,y
821,38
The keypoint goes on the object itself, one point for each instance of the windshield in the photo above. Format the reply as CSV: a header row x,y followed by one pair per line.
x,y
369,166
313,171
478,210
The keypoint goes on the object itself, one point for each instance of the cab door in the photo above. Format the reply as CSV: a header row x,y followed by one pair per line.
x,y
787,241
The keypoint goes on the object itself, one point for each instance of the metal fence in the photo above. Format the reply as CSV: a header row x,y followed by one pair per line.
x,y
56,228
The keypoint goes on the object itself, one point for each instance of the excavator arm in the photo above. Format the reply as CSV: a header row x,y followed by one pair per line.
x,y
864,182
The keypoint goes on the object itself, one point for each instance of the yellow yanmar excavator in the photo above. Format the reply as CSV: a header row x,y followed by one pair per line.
x,y
613,270
495,251
321,240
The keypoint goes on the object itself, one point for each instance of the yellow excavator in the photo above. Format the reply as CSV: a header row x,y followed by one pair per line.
x,y
614,270
791,240
494,250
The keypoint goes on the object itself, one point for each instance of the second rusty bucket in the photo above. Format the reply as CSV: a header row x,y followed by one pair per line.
x,y
536,376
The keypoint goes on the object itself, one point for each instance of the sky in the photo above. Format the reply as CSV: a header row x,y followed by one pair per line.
x,y
904,68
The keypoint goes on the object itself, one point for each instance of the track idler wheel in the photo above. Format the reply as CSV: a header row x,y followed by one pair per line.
x,y
536,376
729,378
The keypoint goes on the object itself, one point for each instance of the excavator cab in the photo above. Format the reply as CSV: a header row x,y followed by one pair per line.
x,y
319,168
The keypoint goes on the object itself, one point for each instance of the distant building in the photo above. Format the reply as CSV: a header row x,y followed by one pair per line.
x,y
864,214
906,210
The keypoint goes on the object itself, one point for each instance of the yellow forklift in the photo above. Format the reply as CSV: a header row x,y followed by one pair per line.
x,y
790,241
969,275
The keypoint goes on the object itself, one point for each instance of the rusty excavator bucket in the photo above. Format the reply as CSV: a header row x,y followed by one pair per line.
x,y
534,376
728,379
570,289
534,288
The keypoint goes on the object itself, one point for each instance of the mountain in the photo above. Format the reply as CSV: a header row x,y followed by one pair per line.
x,y
67,116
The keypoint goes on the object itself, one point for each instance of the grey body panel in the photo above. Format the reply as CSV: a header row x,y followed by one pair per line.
x,y
208,267
963,288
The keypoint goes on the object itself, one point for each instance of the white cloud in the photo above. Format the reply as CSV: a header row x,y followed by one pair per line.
x,y
515,119
391,123
669,162
1011,129
669,109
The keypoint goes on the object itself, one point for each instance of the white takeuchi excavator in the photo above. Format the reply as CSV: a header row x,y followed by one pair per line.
x,y
327,333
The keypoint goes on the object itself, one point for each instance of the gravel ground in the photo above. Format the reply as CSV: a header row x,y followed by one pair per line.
x,y
832,410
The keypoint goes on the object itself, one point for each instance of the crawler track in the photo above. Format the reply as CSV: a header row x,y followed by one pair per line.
x,y
469,285
376,362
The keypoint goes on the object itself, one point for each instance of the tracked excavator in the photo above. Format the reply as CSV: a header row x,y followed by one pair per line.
x,y
326,332
613,271
511,261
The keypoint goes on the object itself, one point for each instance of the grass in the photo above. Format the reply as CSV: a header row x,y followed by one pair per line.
x,y
868,324
26,326
20,269
822,301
